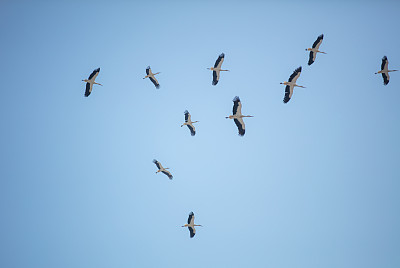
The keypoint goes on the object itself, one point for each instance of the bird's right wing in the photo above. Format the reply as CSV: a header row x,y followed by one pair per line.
x,y
158,164
312,58
192,130
192,231
166,172
89,87
215,77
385,62
219,61
148,70
288,94
386,78
240,125
295,75
155,82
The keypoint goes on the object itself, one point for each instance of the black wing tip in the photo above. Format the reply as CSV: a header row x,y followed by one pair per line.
x,y
214,83
97,70
157,86
222,55
148,67
241,134
192,133
321,36
155,161
191,213
384,58
310,62
298,69
236,98
186,112
286,100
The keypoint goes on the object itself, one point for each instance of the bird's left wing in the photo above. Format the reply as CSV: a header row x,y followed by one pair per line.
x,y
187,115
148,70
190,218
237,106
318,42
158,164
385,62
219,61
240,125
94,74
295,75
166,172
215,77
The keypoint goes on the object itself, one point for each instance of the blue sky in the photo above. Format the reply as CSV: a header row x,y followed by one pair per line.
x,y
313,183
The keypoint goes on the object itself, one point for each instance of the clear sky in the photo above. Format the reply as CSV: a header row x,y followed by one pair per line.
x,y
313,183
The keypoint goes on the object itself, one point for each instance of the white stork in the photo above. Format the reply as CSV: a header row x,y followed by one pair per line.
x,y
90,81
189,123
314,50
384,70
291,84
217,68
190,225
152,77
163,170
237,115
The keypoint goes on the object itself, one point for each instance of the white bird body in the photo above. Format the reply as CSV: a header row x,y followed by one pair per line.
x,y
91,81
291,84
315,49
385,70
217,69
151,76
237,116
162,169
189,123
190,224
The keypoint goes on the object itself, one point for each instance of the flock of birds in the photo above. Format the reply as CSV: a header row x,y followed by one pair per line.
x,y
237,105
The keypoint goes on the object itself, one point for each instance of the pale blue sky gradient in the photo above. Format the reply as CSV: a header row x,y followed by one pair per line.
x,y
313,183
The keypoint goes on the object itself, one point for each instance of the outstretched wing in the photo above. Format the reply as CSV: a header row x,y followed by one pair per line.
x,y
148,69
190,218
237,106
192,231
187,116
94,74
155,82
240,125
219,61
288,94
295,75
192,130
312,58
166,172
158,164
88,90
385,63
318,42
386,78
215,77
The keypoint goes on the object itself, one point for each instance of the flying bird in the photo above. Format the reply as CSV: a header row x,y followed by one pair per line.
x,y
163,170
152,77
237,115
384,70
291,84
217,68
190,225
189,123
314,50
90,81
